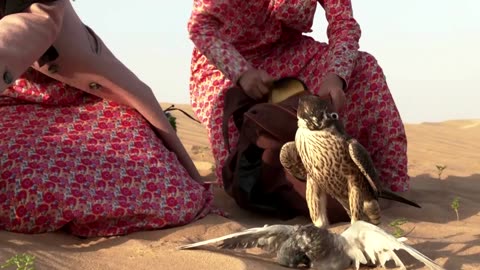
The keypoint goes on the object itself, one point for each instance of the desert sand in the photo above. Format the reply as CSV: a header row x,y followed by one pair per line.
x,y
433,230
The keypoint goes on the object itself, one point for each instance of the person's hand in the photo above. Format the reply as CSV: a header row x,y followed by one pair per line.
x,y
332,87
256,83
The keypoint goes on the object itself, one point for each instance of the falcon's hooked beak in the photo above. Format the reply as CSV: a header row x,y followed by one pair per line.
x,y
315,113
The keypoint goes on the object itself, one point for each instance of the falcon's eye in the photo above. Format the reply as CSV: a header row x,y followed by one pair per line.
x,y
334,116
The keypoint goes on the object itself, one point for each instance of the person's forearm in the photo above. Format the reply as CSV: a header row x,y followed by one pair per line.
x,y
343,33
203,28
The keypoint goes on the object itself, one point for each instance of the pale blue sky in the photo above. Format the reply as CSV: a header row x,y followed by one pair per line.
x,y
429,49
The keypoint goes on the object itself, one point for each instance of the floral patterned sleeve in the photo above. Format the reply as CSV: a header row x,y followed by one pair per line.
x,y
203,26
343,33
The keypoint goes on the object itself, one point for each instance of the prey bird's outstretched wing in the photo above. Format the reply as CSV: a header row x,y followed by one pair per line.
x,y
363,238
291,161
268,238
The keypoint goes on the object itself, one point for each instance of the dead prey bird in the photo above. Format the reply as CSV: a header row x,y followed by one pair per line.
x,y
333,163
314,247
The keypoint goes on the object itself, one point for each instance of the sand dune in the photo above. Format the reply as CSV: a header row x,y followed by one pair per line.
x,y
433,229
452,143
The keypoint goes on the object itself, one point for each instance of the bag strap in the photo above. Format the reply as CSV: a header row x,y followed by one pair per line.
x,y
274,119
237,102
235,105
173,108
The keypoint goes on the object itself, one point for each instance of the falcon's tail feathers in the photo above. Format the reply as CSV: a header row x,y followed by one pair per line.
x,y
394,197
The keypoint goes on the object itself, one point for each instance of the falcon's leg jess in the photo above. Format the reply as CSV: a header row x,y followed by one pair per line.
x,y
317,204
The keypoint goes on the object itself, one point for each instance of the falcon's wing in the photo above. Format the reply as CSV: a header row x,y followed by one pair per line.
x,y
362,159
268,238
291,161
364,162
365,238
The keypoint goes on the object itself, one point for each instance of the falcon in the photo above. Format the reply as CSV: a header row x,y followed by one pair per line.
x,y
333,163
309,246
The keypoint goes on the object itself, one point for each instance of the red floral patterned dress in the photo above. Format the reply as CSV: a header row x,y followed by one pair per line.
x,y
231,36
72,161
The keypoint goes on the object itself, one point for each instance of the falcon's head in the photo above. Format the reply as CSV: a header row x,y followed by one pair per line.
x,y
316,113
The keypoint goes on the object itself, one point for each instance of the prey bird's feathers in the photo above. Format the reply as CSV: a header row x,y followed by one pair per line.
x,y
360,243
268,238
365,238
